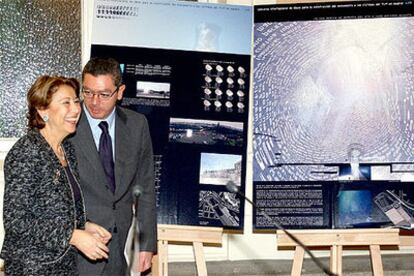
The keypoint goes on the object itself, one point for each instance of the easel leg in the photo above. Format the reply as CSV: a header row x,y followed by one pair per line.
x,y
376,261
155,266
200,260
336,259
297,261
163,258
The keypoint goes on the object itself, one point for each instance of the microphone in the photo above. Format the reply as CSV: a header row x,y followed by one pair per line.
x,y
136,192
233,188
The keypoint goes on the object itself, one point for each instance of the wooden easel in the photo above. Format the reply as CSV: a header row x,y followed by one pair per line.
x,y
336,240
195,235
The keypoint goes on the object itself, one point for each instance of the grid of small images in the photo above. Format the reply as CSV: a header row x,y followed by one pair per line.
x,y
224,88
112,11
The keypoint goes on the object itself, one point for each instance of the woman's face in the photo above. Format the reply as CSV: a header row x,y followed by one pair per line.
x,y
63,112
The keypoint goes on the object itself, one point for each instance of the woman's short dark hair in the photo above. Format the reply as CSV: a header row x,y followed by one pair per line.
x,y
104,66
40,96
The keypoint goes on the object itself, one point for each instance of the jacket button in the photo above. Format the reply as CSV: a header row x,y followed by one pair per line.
x,y
113,206
115,229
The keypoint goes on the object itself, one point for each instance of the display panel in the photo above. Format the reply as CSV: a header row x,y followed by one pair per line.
x,y
333,100
190,77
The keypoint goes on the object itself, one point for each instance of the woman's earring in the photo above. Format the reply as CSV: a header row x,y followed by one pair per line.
x,y
45,118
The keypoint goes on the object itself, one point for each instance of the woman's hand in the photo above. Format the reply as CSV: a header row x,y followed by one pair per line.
x,y
98,232
88,244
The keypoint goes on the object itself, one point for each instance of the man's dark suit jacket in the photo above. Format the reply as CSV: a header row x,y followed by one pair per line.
x,y
133,166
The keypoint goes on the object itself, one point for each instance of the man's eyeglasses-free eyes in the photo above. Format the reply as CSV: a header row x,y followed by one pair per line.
x,y
103,95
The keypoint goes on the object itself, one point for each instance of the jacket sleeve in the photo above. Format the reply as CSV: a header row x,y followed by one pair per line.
x,y
35,233
147,206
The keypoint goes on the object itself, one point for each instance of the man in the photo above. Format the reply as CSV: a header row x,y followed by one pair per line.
x,y
115,158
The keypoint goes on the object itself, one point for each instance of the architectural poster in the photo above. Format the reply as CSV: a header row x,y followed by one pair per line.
x,y
186,66
333,114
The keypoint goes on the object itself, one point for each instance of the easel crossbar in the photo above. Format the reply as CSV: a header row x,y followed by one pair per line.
x,y
347,237
336,239
181,233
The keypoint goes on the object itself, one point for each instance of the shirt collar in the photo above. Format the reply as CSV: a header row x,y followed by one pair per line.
x,y
95,122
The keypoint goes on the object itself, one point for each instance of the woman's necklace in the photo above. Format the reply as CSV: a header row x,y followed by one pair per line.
x,y
60,155
51,140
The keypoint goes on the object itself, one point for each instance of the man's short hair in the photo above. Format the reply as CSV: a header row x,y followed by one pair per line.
x,y
104,66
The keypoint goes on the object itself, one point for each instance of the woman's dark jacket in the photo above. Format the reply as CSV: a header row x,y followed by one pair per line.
x,y
40,213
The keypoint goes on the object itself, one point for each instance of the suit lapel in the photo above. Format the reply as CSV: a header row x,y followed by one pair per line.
x,y
121,152
87,144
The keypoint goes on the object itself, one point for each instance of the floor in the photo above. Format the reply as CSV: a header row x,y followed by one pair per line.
x,y
395,265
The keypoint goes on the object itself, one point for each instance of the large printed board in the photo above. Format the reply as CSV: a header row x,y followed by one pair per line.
x,y
333,114
186,66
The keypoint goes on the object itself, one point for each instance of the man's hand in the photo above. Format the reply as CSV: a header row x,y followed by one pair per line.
x,y
145,259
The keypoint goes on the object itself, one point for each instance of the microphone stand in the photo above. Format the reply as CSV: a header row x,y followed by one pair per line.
x,y
134,255
231,187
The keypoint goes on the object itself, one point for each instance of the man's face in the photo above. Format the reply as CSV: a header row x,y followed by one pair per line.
x,y
99,107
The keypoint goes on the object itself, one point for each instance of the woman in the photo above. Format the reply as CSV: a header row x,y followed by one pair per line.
x,y
44,214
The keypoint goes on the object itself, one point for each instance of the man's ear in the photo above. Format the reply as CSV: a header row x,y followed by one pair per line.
x,y
121,90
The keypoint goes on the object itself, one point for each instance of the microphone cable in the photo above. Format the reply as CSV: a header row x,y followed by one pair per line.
x,y
232,188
